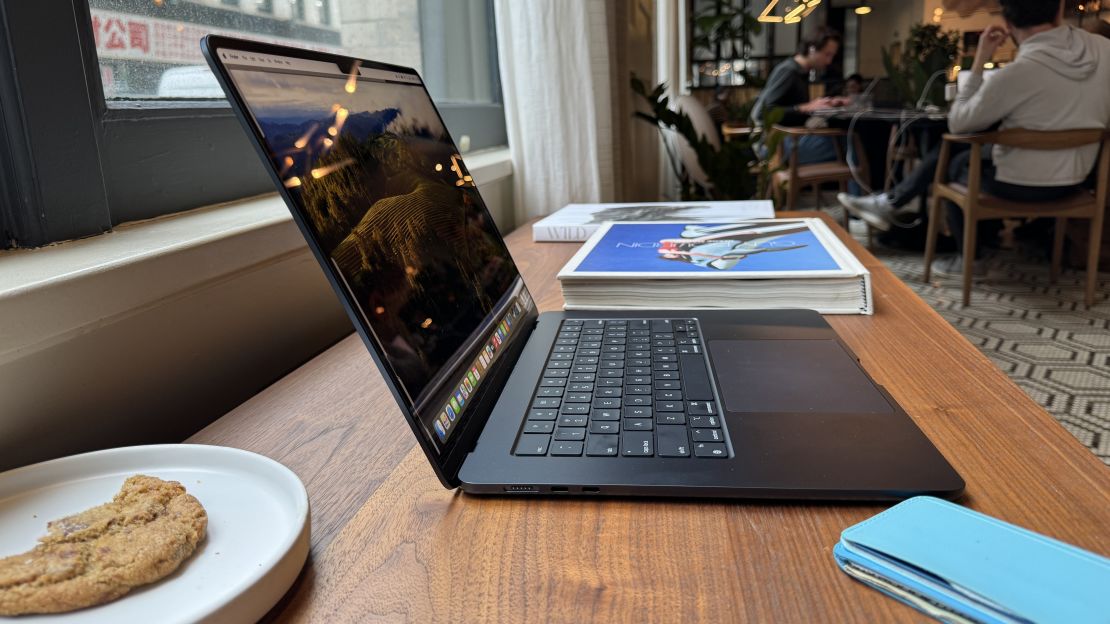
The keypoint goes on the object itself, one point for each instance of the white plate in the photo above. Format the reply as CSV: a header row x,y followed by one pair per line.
x,y
257,538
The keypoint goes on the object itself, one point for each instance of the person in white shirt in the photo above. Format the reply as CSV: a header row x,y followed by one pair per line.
x,y
1059,80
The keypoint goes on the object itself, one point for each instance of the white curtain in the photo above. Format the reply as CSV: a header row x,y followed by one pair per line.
x,y
555,80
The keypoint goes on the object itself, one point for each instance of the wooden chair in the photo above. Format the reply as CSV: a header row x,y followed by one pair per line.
x,y
977,205
794,177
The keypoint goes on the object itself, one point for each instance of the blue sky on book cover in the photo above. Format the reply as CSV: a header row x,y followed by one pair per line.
x,y
708,248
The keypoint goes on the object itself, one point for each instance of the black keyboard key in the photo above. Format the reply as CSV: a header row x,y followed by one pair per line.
x,y
612,364
661,326
572,420
601,445
713,422
605,402
542,414
638,399
562,349
668,395
610,372
582,368
572,322
550,392
578,397
586,377
671,441
612,349
661,375
605,426
637,444
539,426
553,381
585,361
593,323
580,387
590,352
639,354
551,402
710,449
559,357
609,392
566,342
553,372
576,408
696,378
699,407
638,380
668,384
637,424
688,349
532,444
612,356
668,406
670,418
637,411
707,435
664,358
638,390
566,449
659,366
605,414
610,382
570,433
639,324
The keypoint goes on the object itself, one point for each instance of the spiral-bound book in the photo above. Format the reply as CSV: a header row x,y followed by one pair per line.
x,y
759,264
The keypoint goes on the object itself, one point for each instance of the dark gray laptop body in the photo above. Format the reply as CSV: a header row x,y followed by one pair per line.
x,y
801,417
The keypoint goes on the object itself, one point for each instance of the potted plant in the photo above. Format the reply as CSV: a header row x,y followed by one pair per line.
x,y
927,50
735,170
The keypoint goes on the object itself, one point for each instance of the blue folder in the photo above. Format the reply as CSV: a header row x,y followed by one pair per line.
x,y
958,565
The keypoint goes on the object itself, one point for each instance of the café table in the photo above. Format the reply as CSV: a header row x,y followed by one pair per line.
x,y
390,543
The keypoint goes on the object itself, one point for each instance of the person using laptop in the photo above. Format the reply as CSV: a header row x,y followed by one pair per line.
x,y
1060,79
788,87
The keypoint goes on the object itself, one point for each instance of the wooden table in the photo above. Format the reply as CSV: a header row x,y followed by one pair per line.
x,y
388,542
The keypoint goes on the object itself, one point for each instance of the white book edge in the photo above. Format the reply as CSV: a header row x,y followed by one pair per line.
x,y
558,227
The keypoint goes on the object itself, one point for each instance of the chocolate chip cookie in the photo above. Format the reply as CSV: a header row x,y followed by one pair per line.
x,y
100,554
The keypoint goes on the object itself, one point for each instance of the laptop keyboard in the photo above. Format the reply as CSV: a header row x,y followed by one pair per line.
x,y
625,388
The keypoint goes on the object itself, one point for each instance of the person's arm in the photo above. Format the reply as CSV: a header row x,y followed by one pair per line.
x,y
980,105
778,84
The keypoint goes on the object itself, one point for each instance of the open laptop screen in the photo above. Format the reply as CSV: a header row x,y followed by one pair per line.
x,y
382,187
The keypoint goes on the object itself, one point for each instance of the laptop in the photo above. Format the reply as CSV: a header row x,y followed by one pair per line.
x,y
503,400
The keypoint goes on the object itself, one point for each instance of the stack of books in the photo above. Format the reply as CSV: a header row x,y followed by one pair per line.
x,y
760,264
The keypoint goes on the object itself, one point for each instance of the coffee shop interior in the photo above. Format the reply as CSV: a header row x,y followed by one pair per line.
x,y
154,288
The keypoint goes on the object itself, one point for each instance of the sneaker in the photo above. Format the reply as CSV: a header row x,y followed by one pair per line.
x,y
875,210
953,266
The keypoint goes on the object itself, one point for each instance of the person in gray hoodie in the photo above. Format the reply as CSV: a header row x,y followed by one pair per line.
x,y
1059,80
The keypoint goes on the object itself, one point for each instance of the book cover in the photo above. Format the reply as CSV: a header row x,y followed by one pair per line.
x,y
576,222
764,249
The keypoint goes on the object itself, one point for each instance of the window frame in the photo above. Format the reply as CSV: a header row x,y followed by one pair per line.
x,y
76,165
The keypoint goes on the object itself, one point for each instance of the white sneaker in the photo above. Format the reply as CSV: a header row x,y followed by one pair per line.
x,y
953,266
875,210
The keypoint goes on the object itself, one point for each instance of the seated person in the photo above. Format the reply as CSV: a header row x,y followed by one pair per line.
x,y
853,86
788,87
1060,79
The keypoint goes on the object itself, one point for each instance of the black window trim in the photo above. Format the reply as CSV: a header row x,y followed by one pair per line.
x,y
74,165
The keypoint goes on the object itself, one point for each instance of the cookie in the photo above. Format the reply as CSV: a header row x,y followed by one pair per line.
x,y
100,554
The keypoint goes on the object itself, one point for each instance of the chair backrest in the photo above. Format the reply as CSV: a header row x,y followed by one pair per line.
x,y
704,126
1046,139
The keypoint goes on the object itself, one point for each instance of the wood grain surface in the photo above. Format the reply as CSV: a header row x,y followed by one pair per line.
x,y
389,543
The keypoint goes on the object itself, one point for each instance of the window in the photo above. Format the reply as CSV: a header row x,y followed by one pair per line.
x,y
128,123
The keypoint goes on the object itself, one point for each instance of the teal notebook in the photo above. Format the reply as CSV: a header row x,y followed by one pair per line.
x,y
959,565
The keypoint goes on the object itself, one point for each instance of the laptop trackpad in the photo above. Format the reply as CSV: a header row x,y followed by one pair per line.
x,y
796,376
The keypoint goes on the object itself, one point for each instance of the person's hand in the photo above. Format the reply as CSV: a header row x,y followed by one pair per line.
x,y
819,104
993,37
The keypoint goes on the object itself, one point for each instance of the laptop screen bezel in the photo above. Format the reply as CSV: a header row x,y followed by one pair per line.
x,y
447,461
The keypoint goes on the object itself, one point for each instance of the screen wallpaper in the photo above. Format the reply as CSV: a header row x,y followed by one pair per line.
x,y
383,188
